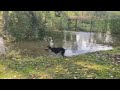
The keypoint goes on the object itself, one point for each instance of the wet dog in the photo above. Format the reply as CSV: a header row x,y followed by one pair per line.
x,y
57,50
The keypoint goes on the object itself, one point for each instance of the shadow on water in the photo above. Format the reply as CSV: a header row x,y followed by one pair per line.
x,y
75,43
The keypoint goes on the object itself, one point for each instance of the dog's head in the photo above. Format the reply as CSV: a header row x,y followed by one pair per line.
x,y
49,47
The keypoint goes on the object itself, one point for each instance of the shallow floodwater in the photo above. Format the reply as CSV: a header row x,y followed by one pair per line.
x,y
75,43
86,42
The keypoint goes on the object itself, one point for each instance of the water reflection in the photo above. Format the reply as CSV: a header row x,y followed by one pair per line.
x,y
85,42
75,42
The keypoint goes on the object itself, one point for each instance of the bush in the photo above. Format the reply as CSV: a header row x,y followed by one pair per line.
x,y
115,25
24,26
13,55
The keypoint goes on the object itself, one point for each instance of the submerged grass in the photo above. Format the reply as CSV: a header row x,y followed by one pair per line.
x,y
88,66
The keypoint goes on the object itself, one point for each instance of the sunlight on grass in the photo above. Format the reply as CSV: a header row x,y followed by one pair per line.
x,y
78,67
90,65
59,68
8,74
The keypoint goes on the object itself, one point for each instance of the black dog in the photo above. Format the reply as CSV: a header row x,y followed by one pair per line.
x,y
57,50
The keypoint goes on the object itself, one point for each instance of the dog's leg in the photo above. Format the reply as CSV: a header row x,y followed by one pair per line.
x,y
62,53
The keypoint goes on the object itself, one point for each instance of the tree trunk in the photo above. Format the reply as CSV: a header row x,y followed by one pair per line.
x,y
34,23
68,22
5,21
76,24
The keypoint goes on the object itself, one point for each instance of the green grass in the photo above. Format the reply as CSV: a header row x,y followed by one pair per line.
x,y
87,66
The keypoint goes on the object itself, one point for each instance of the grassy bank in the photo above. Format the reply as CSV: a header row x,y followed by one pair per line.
x,y
98,65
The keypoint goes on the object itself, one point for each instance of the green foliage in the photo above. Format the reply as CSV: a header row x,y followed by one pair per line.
x,y
18,25
115,24
54,35
23,25
88,66
31,25
13,55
